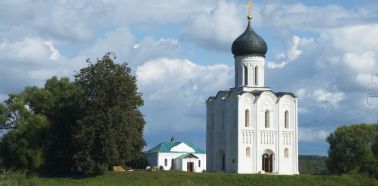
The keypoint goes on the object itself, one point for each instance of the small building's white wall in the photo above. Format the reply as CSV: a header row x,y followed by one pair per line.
x,y
178,164
158,159
169,157
198,167
203,159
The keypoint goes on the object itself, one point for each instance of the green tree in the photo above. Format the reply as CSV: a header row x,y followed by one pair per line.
x,y
92,122
111,132
53,109
63,109
351,150
24,145
375,147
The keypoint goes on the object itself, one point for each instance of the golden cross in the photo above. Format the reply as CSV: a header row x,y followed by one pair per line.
x,y
250,9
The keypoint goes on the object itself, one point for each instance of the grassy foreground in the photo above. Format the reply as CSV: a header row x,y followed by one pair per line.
x,y
181,178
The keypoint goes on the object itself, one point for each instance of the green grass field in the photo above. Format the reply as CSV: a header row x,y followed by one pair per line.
x,y
181,178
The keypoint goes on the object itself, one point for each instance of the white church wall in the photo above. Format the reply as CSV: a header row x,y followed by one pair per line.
x,y
231,134
287,136
220,139
259,139
203,161
266,102
246,134
167,156
249,62
178,164
210,136
198,163
181,163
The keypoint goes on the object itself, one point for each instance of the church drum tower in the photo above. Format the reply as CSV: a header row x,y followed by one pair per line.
x,y
250,128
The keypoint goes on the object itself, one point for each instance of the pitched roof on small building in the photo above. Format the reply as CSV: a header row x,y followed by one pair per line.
x,y
189,155
176,147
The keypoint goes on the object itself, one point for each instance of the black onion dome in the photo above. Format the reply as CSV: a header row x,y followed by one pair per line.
x,y
249,43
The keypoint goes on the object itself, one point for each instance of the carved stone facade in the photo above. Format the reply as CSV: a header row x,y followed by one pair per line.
x,y
250,128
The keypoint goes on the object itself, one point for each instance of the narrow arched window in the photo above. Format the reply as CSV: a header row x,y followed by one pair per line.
x,y
286,119
245,75
165,162
199,163
248,152
286,153
267,119
246,117
256,75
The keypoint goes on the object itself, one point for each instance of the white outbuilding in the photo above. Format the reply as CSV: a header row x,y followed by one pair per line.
x,y
250,128
179,156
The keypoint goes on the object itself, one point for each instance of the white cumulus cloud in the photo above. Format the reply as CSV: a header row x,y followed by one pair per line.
x,y
55,54
27,50
301,92
292,53
326,97
215,29
175,90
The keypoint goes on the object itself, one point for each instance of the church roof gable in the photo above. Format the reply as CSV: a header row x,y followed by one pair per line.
x,y
176,147
182,147
189,155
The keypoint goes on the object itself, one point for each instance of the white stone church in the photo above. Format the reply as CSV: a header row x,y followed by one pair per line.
x,y
177,156
250,128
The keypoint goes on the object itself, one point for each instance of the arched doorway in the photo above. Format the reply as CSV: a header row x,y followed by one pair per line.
x,y
267,162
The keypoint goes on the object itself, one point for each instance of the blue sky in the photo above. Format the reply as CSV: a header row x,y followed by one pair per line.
x,y
324,51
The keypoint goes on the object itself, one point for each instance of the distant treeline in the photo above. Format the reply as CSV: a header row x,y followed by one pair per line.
x,y
312,164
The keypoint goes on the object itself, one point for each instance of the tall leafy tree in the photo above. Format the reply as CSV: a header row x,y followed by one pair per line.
x,y
111,132
63,109
23,146
92,122
41,123
352,150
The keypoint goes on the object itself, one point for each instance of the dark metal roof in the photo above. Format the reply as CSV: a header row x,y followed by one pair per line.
x,y
222,94
256,93
249,43
280,94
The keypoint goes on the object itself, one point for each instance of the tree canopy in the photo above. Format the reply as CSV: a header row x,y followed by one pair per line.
x,y
91,122
353,149
111,130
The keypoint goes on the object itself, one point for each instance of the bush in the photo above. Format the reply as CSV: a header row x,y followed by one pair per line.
x,y
139,162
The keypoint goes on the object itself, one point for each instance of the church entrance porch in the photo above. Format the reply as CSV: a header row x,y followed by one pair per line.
x,y
267,162
190,167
